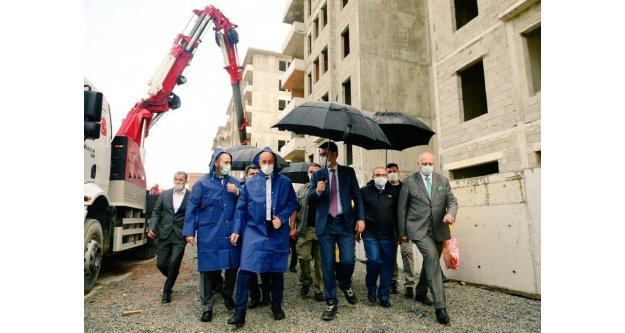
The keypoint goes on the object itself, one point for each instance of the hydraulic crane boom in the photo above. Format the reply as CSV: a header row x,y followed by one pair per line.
x,y
161,98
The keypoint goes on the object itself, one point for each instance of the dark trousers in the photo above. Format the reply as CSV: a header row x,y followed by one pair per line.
x,y
243,288
208,281
293,249
255,288
336,233
169,253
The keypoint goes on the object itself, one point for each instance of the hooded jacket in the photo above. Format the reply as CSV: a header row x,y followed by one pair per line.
x,y
210,213
380,211
264,249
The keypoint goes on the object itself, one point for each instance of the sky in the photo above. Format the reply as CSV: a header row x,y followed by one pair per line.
x,y
124,43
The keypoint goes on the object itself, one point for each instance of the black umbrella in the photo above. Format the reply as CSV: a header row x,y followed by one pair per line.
x,y
403,131
335,121
243,155
297,172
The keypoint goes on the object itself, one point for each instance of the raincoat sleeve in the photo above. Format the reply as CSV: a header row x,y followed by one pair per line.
x,y
240,214
290,204
193,205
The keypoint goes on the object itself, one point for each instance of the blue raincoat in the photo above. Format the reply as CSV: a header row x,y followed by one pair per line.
x,y
210,212
262,250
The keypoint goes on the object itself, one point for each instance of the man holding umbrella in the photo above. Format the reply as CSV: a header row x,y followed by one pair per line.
x,y
335,223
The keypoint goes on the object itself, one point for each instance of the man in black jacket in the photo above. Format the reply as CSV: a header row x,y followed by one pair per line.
x,y
380,202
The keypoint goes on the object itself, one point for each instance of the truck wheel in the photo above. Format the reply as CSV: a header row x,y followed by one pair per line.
x,y
93,252
147,251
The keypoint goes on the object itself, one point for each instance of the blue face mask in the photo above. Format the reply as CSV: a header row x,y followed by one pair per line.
x,y
224,170
426,170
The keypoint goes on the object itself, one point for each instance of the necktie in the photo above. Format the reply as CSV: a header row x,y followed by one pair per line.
x,y
334,196
428,185
268,199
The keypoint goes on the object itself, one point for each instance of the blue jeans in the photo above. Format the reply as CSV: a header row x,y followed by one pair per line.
x,y
381,254
243,288
336,233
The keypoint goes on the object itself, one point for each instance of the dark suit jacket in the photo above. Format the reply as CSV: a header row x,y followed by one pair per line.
x,y
164,221
415,210
349,191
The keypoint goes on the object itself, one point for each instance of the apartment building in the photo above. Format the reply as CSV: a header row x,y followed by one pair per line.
x,y
470,70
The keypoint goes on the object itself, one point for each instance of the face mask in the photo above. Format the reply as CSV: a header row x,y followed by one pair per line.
x,y
426,170
267,169
178,187
393,177
323,160
379,182
224,170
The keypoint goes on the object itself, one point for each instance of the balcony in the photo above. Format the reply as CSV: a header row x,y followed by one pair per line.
x,y
295,101
293,78
247,93
294,42
294,11
294,150
248,72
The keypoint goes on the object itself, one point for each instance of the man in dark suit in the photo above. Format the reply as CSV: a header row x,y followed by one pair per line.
x,y
426,208
166,224
333,188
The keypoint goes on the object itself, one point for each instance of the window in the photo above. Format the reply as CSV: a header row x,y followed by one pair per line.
x,y
281,104
309,44
344,3
309,84
282,65
532,46
473,91
280,86
324,56
324,15
347,92
316,62
316,27
345,42
465,11
311,158
349,157
325,97
281,144
475,170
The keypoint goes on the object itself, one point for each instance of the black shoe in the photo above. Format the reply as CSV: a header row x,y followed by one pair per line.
x,y
441,316
385,304
166,297
423,298
254,303
319,297
350,296
372,298
304,290
394,287
229,302
237,319
292,269
207,316
329,312
409,292
278,313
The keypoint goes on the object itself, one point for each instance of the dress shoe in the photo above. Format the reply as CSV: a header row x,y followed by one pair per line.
x,y
237,318
166,297
304,290
207,316
385,304
372,298
278,313
423,298
441,316
292,269
329,312
394,287
229,302
409,293
254,303
350,296
319,297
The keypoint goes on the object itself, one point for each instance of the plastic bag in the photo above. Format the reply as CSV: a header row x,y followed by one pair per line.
x,y
451,253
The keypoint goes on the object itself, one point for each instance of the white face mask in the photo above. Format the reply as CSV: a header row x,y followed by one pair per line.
x,y
267,169
426,170
379,182
178,187
323,160
393,176
224,170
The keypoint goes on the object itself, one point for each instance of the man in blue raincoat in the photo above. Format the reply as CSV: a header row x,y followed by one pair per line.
x,y
210,213
261,229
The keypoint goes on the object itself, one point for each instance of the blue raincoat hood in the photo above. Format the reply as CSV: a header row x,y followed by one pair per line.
x,y
256,159
216,154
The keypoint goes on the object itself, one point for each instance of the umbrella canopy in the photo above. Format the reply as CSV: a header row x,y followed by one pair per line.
x,y
403,131
243,155
335,121
297,172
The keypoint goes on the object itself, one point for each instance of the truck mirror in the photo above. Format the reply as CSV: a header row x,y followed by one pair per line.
x,y
93,105
92,130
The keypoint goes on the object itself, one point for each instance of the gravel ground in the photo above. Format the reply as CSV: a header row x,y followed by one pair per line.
x,y
470,308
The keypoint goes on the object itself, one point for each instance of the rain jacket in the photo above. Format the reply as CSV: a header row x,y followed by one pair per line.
x,y
210,212
262,249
